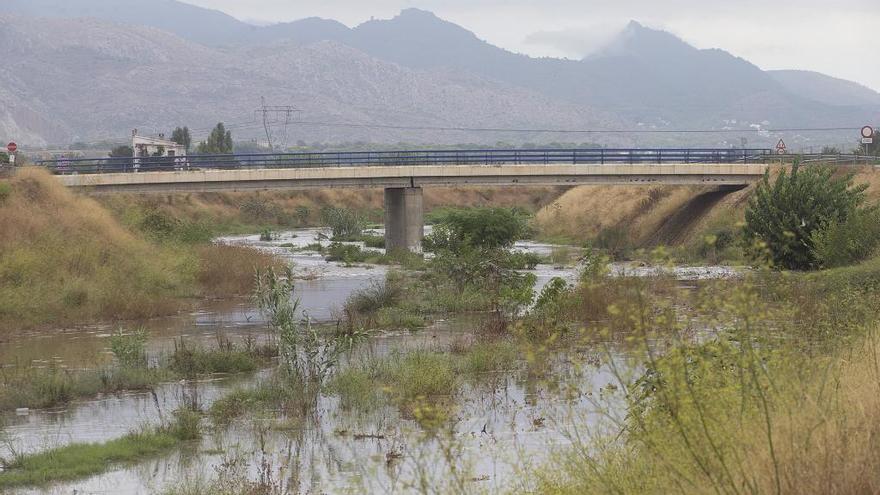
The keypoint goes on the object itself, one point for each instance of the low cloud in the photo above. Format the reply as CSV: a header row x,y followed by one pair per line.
x,y
573,43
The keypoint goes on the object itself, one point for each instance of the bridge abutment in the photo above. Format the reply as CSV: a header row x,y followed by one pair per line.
x,y
404,218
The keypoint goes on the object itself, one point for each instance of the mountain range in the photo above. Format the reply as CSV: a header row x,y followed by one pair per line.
x,y
87,70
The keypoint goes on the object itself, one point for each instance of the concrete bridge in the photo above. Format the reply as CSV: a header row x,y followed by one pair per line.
x,y
404,174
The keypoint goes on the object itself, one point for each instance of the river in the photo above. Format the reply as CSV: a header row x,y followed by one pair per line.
x,y
502,423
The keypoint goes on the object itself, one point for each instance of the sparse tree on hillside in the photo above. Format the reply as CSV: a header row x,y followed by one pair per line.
x,y
219,142
122,152
182,136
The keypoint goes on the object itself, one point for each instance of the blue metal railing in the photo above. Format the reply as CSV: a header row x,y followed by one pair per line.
x,y
407,158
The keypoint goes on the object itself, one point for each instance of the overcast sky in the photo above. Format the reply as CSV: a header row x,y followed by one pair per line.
x,y
836,37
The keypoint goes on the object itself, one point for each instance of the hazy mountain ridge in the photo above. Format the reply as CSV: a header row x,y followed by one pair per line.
x,y
95,89
413,69
826,89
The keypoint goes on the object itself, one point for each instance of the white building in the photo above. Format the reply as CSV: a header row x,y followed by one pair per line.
x,y
145,146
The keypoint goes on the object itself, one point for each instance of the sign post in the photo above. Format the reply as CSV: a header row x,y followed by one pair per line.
x,y
868,139
780,147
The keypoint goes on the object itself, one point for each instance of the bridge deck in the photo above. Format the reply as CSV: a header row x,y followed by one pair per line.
x,y
417,176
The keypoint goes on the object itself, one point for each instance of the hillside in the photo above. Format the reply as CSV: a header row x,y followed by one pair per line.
x,y
825,89
173,64
133,77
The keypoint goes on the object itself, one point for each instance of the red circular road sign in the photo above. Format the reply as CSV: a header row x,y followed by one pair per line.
x,y
867,132
11,147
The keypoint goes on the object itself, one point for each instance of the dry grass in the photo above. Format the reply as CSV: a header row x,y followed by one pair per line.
x,y
224,209
824,423
583,212
230,270
66,259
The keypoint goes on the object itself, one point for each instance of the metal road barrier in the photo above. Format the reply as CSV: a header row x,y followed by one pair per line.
x,y
64,166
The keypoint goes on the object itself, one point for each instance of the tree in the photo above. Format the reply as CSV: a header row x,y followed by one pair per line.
x,y
122,152
484,228
782,216
182,137
219,142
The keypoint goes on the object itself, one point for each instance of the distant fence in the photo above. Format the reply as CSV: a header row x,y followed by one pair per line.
x,y
408,158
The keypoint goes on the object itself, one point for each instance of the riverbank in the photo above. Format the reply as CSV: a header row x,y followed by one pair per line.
x,y
782,401
67,260
624,219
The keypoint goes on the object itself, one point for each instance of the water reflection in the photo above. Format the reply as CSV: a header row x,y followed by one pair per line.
x,y
500,421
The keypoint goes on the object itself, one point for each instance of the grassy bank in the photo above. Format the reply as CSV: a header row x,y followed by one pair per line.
x,y
783,399
66,259
81,460
624,219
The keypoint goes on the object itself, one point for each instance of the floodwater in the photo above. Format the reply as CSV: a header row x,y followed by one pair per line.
x,y
501,423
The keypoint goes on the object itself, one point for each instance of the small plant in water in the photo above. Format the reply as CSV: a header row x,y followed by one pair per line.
x,y
304,354
129,348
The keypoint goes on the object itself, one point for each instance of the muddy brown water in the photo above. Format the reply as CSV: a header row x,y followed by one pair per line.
x,y
502,422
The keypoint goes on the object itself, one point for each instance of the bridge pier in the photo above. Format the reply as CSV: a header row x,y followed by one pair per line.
x,y
404,219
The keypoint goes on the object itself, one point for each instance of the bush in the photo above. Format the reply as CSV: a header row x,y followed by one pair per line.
x,y
522,260
484,228
614,240
373,241
130,349
782,216
344,224
838,244
261,211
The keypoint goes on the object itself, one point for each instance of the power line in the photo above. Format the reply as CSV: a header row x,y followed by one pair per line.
x,y
571,131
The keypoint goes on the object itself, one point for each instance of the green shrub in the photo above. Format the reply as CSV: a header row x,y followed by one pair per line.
x,y
484,228
344,224
129,348
347,253
373,241
838,244
523,260
782,216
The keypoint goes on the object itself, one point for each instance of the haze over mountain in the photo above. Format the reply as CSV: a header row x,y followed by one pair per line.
x,y
164,63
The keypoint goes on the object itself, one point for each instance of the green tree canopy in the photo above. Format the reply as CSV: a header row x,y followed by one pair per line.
x,y
783,215
219,142
482,228
182,137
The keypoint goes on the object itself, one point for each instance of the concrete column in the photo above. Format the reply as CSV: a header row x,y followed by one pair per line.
x,y
404,219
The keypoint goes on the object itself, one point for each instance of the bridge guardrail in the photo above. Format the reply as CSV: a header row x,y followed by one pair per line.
x,y
408,158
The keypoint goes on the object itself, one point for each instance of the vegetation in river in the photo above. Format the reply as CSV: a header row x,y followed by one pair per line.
x,y
79,460
40,388
409,378
191,361
353,254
